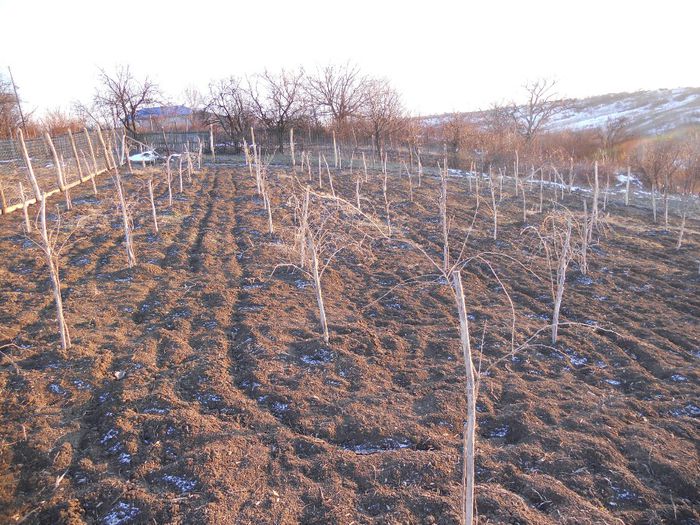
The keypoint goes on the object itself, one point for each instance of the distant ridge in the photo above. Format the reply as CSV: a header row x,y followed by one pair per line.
x,y
647,113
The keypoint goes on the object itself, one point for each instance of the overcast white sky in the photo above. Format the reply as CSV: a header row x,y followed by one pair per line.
x,y
443,56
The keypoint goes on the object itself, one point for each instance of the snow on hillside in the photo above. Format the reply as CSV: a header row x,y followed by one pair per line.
x,y
647,112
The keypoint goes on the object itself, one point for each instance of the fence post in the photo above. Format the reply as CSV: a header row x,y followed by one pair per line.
x,y
92,150
2,198
75,154
127,153
115,145
104,147
335,150
56,161
291,146
211,142
165,140
27,223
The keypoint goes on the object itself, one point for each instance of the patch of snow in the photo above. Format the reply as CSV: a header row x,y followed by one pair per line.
x,y
121,514
278,407
318,357
689,410
384,445
57,389
184,485
499,432
111,434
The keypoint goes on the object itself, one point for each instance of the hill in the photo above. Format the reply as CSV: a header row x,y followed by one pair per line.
x,y
647,112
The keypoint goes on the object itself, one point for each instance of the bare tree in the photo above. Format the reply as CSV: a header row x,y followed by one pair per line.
x,y
121,95
611,135
449,270
58,122
454,130
689,179
327,225
658,160
48,246
564,238
230,107
542,104
196,102
278,100
338,92
383,111
10,116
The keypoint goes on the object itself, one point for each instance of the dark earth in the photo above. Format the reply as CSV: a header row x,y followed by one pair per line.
x,y
199,390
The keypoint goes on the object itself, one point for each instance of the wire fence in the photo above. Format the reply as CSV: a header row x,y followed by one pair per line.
x,y
175,142
63,161
59,163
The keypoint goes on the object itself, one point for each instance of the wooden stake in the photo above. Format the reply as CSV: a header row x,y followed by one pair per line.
x,y
320,179
304,228
682,228
57,162
75,154
364,165
335,150
104,148
516,171
165,141
211,142
330,177
420,168
291,146
180,172
443,218
92,151
169,177
594,211
2,199
153,204
27,222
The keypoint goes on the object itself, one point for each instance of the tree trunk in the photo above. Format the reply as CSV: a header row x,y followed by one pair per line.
x,y
55,281
470,425
561,280
317,286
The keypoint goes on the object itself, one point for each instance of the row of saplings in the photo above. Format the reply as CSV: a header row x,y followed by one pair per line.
x,y
325,223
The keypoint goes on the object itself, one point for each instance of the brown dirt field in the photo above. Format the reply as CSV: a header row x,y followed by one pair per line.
x,y
233,410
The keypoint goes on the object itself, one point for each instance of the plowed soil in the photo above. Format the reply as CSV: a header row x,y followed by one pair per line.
x,y
198,388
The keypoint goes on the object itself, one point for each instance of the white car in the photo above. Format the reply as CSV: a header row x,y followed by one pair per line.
x,y
149,156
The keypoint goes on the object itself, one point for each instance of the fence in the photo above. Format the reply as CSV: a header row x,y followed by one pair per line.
x,y
167,142
59,164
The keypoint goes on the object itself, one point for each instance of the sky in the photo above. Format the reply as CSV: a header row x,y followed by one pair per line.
x,y
443,56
